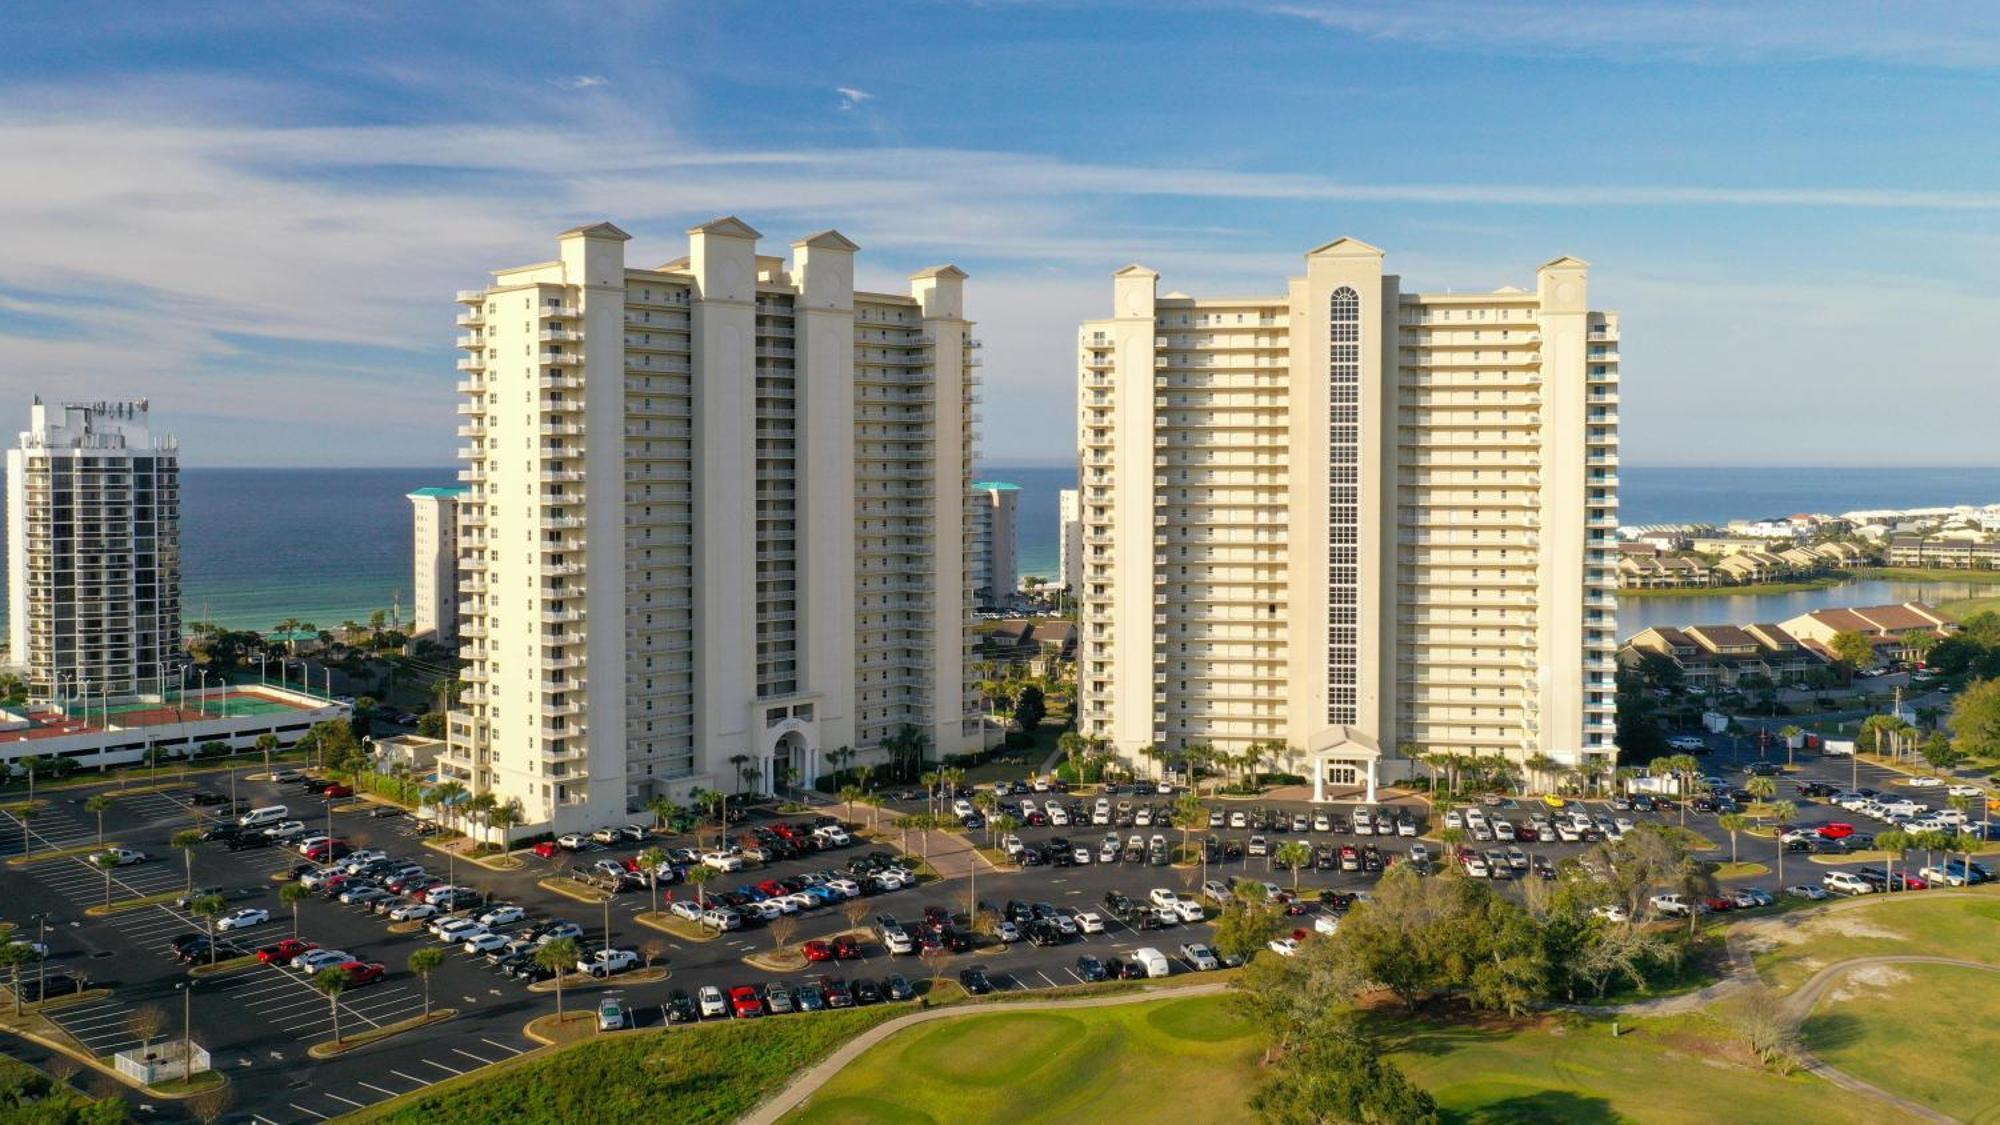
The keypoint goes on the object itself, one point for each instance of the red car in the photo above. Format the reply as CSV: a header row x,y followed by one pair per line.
x,y
845,949
773,888
337,790
363,972
818,951
1835,831
744,1002
1526,834
283,952
1718,904
546,849
329,850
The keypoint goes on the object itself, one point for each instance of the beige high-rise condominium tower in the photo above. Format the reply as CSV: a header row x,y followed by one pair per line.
x,y
718,523
434,563
1349,525
93,553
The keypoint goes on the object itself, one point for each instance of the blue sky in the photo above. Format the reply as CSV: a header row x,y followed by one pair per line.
x,y
256,215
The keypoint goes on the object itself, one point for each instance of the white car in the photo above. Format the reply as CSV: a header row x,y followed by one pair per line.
x,y
767,910
834,834
1081,855
1503,830
686,908
1931,782
486,943
242,919
1058,815
1161,896
1090,922
1284,947
455,930
1328,924
713,1006
1673,906
286,829
1108,853
722,861
573,841
962,808
1846,883
1965,791
412,911
358,860
898,942
1216,891
1189,910
313,960
1454,819
1611,913
504,915
1475,867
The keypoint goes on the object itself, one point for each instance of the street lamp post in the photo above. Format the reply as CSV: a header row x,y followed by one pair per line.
x,y
186,989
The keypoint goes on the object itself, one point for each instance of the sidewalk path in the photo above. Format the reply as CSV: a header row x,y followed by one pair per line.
x,y
1800,1004
805,1085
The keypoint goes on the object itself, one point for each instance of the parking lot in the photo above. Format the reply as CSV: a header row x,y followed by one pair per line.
x,y
258,1020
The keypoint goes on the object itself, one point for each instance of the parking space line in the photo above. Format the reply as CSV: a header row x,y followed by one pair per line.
x,y
377,1089
473,1057
421,1083
349,1101
502,1046
442,1067
302,1109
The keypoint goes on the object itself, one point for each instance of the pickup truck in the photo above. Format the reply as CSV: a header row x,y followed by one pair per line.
x,y
604,962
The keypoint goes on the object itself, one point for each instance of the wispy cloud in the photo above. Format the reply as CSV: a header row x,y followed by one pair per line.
x,y
586,81
1954,36
851,97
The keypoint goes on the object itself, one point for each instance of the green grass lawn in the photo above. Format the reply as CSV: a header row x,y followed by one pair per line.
x,y
713,1073
1926,1032
1804,942
1196,1059
1188,1059
1963,608
1928,574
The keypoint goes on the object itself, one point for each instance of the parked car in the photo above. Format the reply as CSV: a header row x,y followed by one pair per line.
x,y
975,981
242,919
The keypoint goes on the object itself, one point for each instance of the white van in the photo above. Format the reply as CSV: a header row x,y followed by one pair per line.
x,y
270,814
1153,961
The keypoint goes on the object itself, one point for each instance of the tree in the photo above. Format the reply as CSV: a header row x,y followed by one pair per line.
x,y
1793,735
1852,649
1939,753
783,928
1782,814
1296,855
559,957
1897,844
98,804
107,863
848,795
331,982
651,860
663,810
701,875
291,894
186,840
1734,823
1030,707
147,1023
424,962
208,908
16,957
1975,720
1762,788
1247,923
1332,1074
1188,816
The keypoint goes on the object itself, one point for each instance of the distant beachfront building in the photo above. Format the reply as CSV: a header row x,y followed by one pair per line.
x,y
1350,521
1071,539
93,552
995,540
719,523
435,565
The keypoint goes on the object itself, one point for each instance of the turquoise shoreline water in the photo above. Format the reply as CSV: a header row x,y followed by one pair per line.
x,y
327,545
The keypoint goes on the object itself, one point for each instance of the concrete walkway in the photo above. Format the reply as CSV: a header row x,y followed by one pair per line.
x,y
805,1085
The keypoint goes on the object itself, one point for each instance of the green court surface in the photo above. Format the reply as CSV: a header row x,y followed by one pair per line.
x,y
215,706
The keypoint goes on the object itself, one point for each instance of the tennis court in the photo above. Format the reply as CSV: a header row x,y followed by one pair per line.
x,y
217,705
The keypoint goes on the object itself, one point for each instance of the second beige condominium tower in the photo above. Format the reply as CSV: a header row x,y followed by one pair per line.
x,y
718,523
1346,524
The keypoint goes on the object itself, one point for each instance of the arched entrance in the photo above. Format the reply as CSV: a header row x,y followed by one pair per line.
x,y
792,753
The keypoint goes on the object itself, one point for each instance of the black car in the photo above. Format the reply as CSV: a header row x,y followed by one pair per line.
x,y
681,1009
898,989
33,988
223,830
974,980
253,840
1125,970
1091,969
1118,904
1018,912
1042,934
206,798
867,992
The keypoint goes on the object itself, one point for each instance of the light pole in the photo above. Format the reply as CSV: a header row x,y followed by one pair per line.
x,y
186,989
204,693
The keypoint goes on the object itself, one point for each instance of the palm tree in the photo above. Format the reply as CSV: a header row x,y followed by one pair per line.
x,y
291,894
875,801
1541,765
1295,854
1762,788
651,859
1188,816
559,957
424,962
1782,813
332,981
98,804
662,809
480,808
506,818
266,743
186,840
701,875
208,908
289,629
32,763
1791,734
107,863
739,761
1733,823
848,795
446,796
1897,843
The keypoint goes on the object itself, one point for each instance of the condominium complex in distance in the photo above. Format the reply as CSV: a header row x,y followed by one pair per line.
x,y
1069,505
995,540
1351,524
434,565
718,523
93,552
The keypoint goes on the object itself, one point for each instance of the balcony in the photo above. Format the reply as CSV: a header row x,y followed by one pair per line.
x,y
472,363
471,296
559,312
559,359
559,336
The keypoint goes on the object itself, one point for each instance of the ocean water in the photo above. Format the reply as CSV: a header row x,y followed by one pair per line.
x,y
327,545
